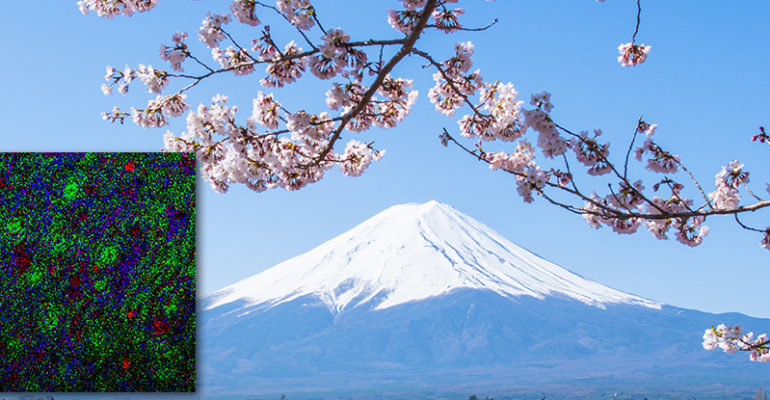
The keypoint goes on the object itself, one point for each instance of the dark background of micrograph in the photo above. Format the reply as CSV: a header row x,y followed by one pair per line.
x,y
97,272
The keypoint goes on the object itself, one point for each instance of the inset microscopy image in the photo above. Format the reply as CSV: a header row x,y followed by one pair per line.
x,y
97,272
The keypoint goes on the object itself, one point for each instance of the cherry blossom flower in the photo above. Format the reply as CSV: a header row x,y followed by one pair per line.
x,y
152,116
589,153
286,69
174,105
658,227
265,111
111,8
632,54
690,231
542,100
299,12
447,20
413,4
549,140
533,179
726,196
244,11
235,60
357,157
334,43
155,79
211,29
515,162
766,239
114,115
659,160
403,21
627,197
177,54
449,97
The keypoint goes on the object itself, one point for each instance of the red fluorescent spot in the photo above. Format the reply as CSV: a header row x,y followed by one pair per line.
x,y
130,166
130,314
161,327
126,363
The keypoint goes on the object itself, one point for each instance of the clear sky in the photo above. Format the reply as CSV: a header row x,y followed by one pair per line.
x,y
705,83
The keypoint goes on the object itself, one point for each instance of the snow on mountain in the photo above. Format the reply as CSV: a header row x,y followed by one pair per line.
x,y
413,252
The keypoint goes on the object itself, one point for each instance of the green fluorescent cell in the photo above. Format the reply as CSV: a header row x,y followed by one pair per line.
x,y
14,343
51,317
34,277
14,227
108,255
71,191
169,309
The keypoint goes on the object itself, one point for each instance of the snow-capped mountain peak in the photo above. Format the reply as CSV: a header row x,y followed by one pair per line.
x,y
413,252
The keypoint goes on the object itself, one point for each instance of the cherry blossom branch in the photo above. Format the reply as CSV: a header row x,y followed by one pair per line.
x,y
632,54
732,339
406,48
606,210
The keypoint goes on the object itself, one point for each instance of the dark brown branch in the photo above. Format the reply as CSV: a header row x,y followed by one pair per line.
x,y
638,20
449,81
631,148
604,159
746,227
301,32
408,44
483,28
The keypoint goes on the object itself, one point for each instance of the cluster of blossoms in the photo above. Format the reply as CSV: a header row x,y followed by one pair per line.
x,y
539,119
452,83
732,339
444,19
262,161
529,176
155,79
111,8
632,54
298,12
177,54
230,58
338,57
766,239
658,159
211,32
260,154
157,110
245,11
727,197
596,215
589,153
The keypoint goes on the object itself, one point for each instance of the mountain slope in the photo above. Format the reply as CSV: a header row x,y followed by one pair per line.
x,y
412,252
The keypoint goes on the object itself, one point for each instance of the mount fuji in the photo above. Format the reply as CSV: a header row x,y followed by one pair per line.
x,y
423,300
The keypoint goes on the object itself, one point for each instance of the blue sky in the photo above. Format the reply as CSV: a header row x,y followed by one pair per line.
x,y
705,84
